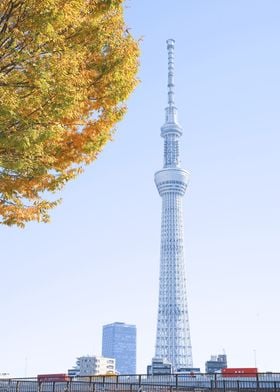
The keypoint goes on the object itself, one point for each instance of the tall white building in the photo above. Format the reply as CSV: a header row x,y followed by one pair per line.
x,y
173,342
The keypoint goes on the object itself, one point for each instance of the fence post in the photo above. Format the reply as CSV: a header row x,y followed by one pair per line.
x,y
257,378
53,387
90,384
17,386
238,385
224,385
139,380
176,380
215,378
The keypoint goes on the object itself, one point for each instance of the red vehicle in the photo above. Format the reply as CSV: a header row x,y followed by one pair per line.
x,y
60,377
239,372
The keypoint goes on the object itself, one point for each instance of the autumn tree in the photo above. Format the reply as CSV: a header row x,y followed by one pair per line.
x,y
66,69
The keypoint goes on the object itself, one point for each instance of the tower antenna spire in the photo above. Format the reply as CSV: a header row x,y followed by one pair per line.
x,y
171,93
173,341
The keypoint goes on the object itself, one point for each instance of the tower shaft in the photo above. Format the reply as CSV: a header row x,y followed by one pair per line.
x,y
173,334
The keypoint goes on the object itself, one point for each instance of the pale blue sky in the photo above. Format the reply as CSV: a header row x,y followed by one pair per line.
x,y
98,261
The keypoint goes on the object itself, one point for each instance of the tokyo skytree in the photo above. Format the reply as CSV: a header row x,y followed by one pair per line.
x,y
173,341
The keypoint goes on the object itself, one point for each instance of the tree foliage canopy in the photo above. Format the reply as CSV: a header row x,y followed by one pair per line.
x,y
66,68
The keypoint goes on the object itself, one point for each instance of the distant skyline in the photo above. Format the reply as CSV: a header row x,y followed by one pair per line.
x,y
98,261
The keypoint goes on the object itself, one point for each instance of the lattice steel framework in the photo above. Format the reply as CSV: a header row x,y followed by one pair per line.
x,y
173,341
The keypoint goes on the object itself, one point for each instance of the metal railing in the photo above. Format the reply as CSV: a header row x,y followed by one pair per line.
x,y
260,382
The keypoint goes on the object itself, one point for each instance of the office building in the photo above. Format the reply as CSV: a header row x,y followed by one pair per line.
x,y
159,367
92,365
216,363
119,342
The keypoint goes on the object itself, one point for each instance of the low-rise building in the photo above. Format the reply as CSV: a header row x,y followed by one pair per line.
x,y
158,367
92,365
216,363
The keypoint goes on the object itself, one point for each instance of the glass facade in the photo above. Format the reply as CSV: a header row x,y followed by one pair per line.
x,y
119,342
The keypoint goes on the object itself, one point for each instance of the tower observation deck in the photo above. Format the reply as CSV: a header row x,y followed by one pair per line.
x,y
173,341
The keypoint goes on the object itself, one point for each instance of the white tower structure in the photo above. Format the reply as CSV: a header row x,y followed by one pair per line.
x,y
173,341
